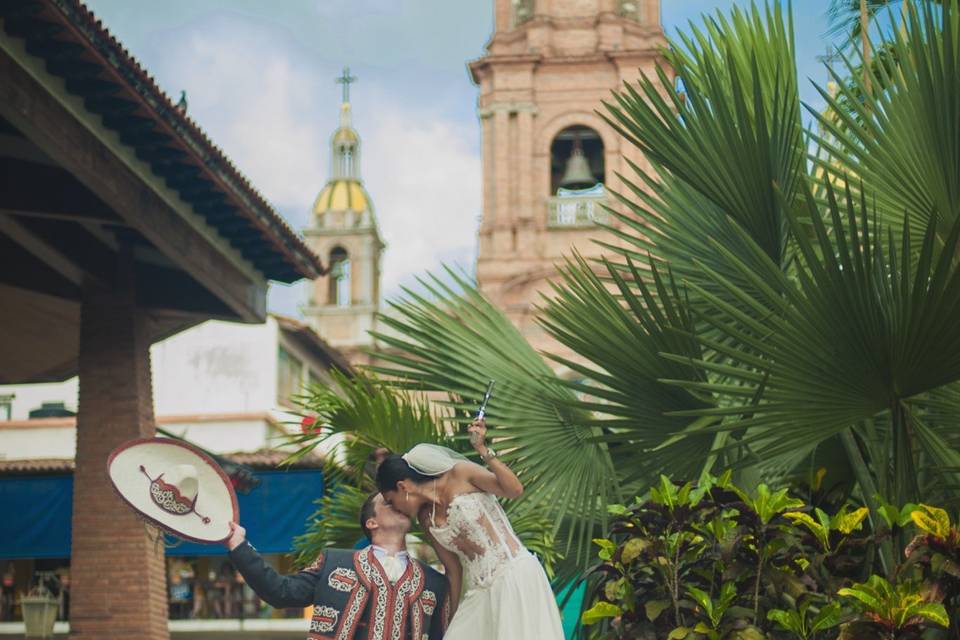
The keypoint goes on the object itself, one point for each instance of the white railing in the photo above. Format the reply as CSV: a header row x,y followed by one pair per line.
x,y
576,211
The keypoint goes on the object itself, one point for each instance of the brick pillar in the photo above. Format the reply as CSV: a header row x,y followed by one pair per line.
x,y
117,573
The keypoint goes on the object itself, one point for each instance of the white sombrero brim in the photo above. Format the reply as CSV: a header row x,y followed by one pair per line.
x,y
216,498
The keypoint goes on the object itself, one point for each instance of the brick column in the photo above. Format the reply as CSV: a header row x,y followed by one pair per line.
x,y
117,573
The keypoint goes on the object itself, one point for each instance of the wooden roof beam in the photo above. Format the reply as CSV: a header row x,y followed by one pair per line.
x,y
42,250
35,103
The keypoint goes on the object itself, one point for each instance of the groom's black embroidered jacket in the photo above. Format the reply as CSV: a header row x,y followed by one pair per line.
x,y
352,597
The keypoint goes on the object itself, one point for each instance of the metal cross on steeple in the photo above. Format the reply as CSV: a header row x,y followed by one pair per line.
x,y
833,54
346,80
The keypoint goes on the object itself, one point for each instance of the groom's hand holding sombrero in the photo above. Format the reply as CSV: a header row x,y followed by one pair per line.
x,y
238,535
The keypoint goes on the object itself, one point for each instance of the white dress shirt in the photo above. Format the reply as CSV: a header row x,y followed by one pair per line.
x,y
393,565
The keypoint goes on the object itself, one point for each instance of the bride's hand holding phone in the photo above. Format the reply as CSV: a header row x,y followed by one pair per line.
x,y
478,435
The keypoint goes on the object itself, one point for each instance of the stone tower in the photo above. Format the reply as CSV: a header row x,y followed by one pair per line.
x,y
548,159
342,307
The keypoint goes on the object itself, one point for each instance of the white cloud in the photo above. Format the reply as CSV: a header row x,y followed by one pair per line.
x,y
272,113
258,103
424,176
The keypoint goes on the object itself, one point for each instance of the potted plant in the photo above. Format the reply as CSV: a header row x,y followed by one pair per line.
x,y
40,605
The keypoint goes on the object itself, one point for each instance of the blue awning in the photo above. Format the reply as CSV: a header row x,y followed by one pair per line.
x,y
37,511
36,516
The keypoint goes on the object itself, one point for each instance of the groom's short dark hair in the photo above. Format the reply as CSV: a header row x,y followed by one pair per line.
x,y
367,511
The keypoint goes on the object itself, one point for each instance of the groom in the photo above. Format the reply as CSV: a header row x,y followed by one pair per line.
x,y
377,593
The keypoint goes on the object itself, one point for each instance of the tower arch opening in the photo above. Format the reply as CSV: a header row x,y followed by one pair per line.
x,y
340,291
576,160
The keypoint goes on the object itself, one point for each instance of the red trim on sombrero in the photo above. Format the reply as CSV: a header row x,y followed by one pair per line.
x,y
200,454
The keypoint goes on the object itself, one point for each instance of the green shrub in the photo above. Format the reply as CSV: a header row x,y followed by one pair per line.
x,y
715,561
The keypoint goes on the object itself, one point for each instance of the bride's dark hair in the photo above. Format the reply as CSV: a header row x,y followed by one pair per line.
x,y
393,470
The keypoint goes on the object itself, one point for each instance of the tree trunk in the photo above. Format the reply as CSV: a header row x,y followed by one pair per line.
x,y
865,44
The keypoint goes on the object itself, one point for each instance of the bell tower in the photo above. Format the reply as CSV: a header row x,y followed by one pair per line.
x,y
342,306
549,161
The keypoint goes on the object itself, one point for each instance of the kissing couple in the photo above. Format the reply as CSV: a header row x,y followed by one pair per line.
x,y
492,587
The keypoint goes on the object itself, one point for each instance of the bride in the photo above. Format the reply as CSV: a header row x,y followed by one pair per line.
x,y
506,594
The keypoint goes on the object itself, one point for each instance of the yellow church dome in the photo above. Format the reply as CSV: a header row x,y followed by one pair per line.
x,y
345,135
342,195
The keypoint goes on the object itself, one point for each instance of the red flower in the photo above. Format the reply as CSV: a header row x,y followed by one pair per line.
x,y
306,425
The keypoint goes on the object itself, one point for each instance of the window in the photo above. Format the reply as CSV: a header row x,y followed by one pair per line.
x,y
289,376
522,11
339,278
630,9
6,407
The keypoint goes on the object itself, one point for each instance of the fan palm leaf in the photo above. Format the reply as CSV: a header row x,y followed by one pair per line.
x,y
719,139
451,342
859,332
904,141
618,336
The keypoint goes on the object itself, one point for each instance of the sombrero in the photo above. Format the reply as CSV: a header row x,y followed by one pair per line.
x,y
175,487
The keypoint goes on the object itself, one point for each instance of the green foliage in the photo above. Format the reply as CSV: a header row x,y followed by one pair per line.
x,y
711,560
453,343
358,417
714,561
843,522
805,621
891,610
750,314
901,141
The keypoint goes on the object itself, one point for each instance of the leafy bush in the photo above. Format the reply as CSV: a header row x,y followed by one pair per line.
x,y
712,560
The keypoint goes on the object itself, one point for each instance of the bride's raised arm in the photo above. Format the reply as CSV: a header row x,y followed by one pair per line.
x,y
499,479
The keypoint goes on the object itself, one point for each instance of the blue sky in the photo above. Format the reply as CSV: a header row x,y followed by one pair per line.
x,y
259,79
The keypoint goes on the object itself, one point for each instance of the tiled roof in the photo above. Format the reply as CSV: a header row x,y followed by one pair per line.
x,y
271,459
97,68
313,340
44,465
264,459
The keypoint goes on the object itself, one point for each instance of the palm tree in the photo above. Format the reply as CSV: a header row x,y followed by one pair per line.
x,y
750,313
354,421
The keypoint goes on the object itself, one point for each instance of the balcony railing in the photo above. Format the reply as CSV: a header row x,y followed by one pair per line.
x,y
576,211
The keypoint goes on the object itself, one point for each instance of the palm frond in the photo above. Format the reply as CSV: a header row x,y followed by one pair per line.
x,y
355,418
904,139
844,16
452,341
720,138
618,331
858,331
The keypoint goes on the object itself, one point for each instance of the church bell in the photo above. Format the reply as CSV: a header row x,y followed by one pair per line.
x,y
577,174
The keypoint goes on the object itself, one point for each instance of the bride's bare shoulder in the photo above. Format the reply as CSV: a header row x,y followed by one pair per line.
x,y
465,468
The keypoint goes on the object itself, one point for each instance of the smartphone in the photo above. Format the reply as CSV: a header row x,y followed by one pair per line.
x,y
482,411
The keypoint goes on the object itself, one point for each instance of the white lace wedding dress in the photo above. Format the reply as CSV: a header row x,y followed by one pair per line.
x,y
508,596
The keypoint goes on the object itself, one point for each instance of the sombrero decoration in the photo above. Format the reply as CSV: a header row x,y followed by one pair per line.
x,y
176,487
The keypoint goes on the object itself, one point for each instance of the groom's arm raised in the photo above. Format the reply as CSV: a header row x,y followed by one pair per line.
x,y
294,590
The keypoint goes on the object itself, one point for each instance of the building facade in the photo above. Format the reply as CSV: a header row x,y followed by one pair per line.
x,y
228,388
549,159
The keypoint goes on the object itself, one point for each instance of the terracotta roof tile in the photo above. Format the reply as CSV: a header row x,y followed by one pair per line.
x,y
262,460
37,466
